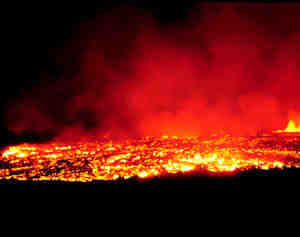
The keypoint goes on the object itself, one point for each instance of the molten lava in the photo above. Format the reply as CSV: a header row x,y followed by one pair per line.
x,y
291,127
148,157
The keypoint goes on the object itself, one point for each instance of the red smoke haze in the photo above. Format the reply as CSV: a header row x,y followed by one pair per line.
x,y
227,68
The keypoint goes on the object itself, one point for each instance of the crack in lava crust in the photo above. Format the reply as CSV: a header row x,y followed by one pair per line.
x,y
148,157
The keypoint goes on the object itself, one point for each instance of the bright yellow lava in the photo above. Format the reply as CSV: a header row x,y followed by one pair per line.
x,y
148,157
291,127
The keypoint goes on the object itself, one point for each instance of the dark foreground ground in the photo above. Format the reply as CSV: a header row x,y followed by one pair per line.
x,y
289,176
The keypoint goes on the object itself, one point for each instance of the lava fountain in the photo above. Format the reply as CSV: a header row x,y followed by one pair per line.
x,y
291,128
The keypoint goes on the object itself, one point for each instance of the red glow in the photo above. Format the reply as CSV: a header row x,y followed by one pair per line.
x,y
227,69
224,69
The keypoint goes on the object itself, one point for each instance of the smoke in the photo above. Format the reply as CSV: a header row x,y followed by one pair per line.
x,y
228,67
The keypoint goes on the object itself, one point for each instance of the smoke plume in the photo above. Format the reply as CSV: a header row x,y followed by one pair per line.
x,y
227,67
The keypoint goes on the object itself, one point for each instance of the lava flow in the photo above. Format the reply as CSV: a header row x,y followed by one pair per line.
x,y
148,157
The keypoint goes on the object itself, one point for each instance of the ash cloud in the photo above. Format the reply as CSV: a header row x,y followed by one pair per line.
x,y
227,67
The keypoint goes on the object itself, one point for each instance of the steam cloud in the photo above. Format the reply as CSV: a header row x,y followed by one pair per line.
x,y
231,67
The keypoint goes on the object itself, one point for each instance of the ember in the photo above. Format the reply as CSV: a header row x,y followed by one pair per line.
x,y
148,157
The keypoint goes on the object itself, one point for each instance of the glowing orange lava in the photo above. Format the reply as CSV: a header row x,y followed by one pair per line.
x,y
148,157
291,127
